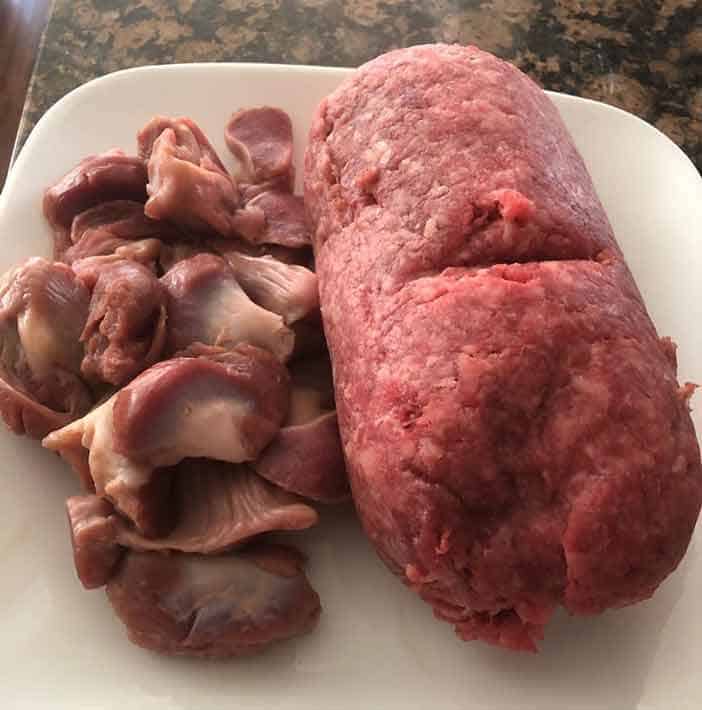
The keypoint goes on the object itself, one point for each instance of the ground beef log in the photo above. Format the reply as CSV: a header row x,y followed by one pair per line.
x,y
515,435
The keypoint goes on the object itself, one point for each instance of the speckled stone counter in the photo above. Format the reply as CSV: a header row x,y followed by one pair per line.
x,y
642,55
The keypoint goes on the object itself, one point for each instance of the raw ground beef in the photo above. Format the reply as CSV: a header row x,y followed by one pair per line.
x,y
514,432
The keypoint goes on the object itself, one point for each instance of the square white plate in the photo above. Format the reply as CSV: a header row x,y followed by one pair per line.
x,y
377,646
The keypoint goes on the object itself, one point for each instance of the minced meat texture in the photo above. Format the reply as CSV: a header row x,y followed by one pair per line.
x,y
513,429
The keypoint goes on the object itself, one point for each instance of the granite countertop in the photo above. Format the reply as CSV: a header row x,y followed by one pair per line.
x,y
642,55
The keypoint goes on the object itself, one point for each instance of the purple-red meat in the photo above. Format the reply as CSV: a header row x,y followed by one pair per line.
x,y
214,606
187,183
109,226
286,223
126,327
96,179
43,309
514,432
261,140
94,527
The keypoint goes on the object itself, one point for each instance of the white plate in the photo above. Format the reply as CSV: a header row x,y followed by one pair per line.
x,y
377,645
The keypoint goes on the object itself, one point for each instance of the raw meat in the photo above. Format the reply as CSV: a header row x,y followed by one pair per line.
x,y
121,219
93,524
224,605
148,252
103,229
206,304
96,179
136,488
188,183
188,187
306,457
167,257
219,506
126,328
515,435
261,140
216,506
224,405
285,219
43,309
228,247
97,243
289,290
193,144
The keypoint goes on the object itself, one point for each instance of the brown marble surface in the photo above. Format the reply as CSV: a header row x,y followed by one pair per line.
x,y
642,55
